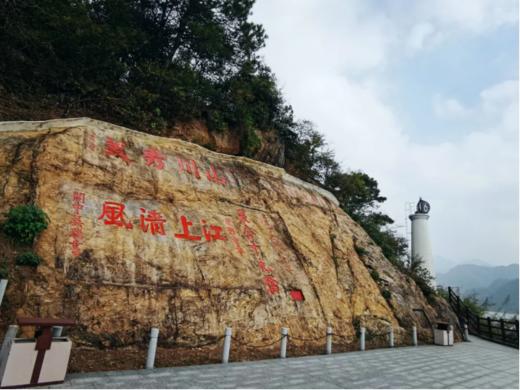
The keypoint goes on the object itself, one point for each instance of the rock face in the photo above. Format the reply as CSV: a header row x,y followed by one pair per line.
x,y
271,149
147,231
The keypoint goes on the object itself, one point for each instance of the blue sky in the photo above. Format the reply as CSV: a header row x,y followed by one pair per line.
x,y
449,70
421,95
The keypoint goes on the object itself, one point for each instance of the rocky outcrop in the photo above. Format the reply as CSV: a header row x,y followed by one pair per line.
x,y
271,149
149,231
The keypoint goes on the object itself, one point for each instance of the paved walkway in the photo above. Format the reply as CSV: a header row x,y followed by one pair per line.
x,y
478,364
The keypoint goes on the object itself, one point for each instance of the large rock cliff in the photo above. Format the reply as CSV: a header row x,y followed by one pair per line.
x,y
147,231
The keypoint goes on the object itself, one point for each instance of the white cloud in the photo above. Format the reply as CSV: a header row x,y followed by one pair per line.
x,y
477,16
496,108
428,23
329,61
422,35
497,96
449,108
425,24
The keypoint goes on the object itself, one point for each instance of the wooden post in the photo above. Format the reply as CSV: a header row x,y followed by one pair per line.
x,y
502,330
490,331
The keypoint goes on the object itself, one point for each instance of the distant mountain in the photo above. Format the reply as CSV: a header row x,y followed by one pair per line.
x,y
496,285
444,264
502,295
471,277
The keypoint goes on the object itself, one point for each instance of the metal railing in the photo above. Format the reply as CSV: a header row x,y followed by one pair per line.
x,y
364,339
497,330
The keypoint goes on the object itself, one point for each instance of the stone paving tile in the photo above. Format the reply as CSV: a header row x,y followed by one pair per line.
x,y
478,364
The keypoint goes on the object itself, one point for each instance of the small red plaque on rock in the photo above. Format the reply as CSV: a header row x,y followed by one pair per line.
x,y
297,295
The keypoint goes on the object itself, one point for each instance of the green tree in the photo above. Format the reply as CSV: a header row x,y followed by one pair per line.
x,y
144,63
24,223
358,194
470,301
416,269
29,259
308,157
150,64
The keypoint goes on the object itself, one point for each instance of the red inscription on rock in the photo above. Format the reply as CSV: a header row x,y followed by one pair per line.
x,y
188,166
186,235
152,221
212,233
213,176
116,149
113,214
76,232
230,228
270,282
154,158
265,269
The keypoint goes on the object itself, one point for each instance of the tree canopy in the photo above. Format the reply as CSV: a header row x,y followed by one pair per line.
x,y
151,63
145,63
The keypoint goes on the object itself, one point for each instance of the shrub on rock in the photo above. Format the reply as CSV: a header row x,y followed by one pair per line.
x,y
29,259
24,223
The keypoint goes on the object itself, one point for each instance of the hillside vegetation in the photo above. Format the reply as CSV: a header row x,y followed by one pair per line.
x,y
151,64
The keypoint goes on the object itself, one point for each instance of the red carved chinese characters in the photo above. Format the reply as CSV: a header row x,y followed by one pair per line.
x,y
213,176
188,166
265,269
242,217
113,214
154,158
116,149
152,221
76,232
210,233
230,228
270,282
186,235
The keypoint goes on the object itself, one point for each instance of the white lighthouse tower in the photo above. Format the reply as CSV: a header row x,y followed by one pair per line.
x,y
421,245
